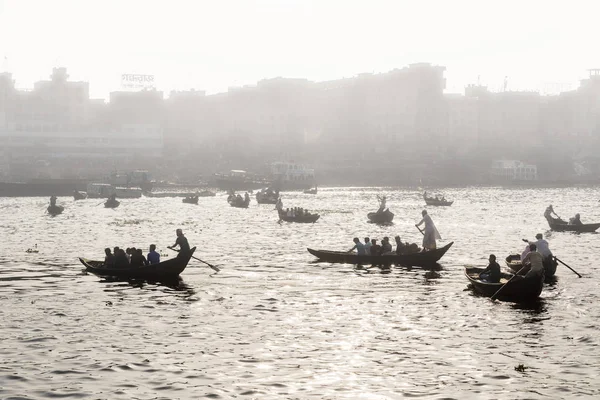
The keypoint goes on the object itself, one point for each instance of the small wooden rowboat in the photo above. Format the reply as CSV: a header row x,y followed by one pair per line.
x,y
422,259
307,219
55,210
384,217
264,198
432,201
562,226
112,203
518,290
165,270
190,200
513,261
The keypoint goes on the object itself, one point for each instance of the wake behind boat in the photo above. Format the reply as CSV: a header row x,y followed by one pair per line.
x,y
165,270
422,259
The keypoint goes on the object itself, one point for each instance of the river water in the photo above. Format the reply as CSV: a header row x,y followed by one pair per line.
x,y
275,324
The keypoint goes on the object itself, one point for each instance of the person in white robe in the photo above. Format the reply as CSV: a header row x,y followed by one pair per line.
x,y
431,233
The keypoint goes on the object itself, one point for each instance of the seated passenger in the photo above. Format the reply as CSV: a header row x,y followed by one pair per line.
x,y
121,260
492,272
386,246
153,256
109,260
375,248
360,248
576,220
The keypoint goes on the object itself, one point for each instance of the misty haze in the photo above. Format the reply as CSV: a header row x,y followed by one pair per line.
x,y
286,199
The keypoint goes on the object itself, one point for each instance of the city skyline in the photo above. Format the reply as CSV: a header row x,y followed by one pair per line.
x,y
199,45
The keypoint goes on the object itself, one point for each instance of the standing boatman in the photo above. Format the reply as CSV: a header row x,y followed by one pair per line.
x,y
184,246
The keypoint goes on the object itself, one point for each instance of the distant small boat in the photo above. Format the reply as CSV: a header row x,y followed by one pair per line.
x,y
77,195
190,200
384,217
112,203
235,202
559,225
310,218
435,201
311,191
55,210
264,197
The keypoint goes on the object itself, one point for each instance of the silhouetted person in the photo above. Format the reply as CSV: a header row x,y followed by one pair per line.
x,y
153,256
109,259
492,272
184,246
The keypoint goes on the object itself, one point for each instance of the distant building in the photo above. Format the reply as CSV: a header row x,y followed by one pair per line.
x,y
513,171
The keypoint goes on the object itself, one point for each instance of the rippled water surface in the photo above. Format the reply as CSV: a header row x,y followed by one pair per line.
x,y
274,324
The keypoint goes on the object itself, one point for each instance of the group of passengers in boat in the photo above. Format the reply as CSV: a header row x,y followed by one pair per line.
x,y
437,197
370,247
237,198
130,257
548,214
296,212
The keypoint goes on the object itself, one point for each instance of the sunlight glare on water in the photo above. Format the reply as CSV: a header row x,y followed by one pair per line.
x,y
274,323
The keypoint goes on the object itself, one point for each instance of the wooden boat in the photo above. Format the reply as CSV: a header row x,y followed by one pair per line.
x,y
421,259
234,202
302,219
77,195
432,201
513,261
55,210
518,290
112,203
557,224
190,200
165,270
311,191
206,193
264,198
381,218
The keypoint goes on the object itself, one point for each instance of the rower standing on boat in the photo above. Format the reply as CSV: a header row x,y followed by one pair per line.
x,y
184,246
382,201
542,247
431,233
548,214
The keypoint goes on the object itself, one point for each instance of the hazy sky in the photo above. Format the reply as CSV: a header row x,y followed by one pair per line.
x,y
211,45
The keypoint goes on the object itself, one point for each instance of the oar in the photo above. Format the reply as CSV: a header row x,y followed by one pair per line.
x,y
556,258
423,233
196,258
503,286
102,202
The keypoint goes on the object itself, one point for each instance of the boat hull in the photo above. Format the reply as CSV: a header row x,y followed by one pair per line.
x,y
385,217
306,219
513,262
573,228
518,290
166,270
431,201
421,259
